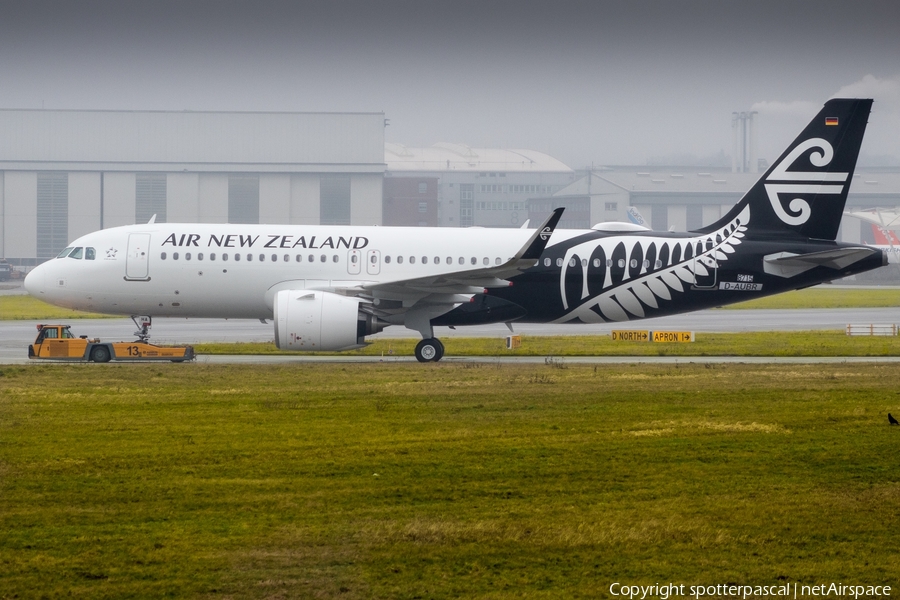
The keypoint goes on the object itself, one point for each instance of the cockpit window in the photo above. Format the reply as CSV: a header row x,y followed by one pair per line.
x,y
90,254
64,253
77,253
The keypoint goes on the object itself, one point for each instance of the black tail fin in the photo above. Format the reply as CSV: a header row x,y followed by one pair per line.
x,y
804,191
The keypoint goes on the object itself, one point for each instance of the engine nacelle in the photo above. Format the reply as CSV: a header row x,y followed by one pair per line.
x,y
308,320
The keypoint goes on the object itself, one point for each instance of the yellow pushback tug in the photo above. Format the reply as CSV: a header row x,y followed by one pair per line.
x,y
56,342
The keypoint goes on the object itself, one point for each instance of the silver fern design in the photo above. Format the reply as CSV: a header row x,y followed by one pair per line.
x,y
638,272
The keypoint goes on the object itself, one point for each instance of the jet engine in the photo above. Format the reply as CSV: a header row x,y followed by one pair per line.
x,y
307,320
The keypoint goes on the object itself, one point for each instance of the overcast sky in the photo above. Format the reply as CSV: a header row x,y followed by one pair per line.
x,y
586,82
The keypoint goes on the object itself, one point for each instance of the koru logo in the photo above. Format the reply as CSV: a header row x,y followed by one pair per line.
x,y
803,182
545,233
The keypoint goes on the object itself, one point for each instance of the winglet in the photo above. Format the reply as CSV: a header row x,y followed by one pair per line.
x,y
535,246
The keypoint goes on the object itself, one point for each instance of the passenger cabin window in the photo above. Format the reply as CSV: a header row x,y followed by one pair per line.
x,y
162,256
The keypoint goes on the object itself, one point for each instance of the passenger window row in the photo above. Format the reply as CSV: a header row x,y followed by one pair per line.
x,y
437,260
633,263
249,257
320,258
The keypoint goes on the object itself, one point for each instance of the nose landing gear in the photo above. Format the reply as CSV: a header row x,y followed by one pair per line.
x,y
429,350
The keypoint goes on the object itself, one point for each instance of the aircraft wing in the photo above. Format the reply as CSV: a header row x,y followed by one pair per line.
x,y
468,281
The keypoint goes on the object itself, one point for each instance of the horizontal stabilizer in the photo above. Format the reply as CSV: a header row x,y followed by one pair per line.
x,y
788,264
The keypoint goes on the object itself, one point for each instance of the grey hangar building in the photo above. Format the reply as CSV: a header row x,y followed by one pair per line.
x,y
65,173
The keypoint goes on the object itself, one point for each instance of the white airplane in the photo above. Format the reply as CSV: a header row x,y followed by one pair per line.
x,y
328,287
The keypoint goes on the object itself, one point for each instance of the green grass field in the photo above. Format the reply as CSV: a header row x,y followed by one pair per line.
x,y
442,480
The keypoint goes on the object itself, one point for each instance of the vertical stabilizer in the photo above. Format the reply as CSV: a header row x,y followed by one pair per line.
x,y
805,190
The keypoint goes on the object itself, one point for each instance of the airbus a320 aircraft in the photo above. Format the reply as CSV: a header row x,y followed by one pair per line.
x,y
327,287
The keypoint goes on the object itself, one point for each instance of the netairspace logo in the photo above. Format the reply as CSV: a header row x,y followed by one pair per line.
x,y
787,590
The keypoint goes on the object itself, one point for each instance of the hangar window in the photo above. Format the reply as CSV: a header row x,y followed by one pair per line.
x,y
334,199
423,188
243,199
52,213
149,197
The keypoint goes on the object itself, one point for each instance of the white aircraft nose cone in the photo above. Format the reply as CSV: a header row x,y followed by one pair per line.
x,y
35,281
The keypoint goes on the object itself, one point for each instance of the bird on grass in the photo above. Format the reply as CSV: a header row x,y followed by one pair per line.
x,y
892,420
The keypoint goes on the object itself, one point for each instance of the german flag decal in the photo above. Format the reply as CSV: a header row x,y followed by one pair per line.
x,y
831,121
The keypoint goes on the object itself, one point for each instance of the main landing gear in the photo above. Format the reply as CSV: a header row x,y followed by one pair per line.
x,y
429,350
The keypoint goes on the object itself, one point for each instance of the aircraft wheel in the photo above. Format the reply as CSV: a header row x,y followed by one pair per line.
x,y
429,350
100,354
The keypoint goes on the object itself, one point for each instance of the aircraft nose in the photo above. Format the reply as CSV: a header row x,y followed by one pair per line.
x,y
35,281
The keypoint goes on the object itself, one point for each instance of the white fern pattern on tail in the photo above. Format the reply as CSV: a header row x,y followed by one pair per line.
x,y
657,281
